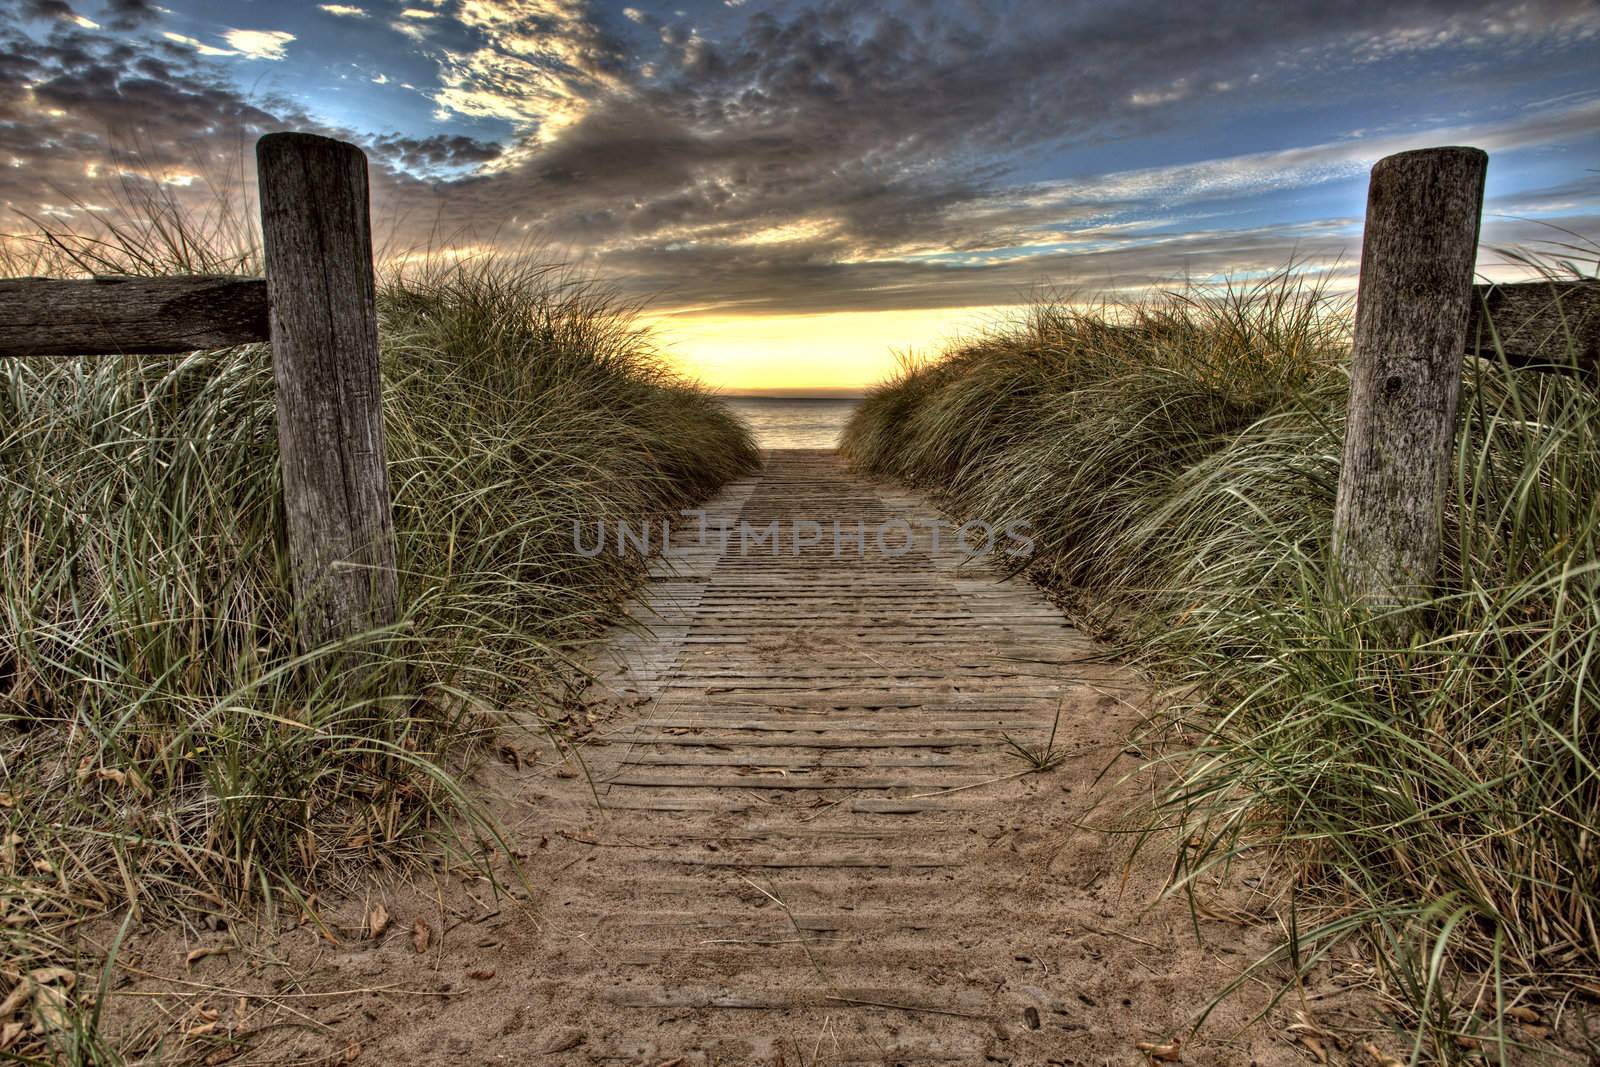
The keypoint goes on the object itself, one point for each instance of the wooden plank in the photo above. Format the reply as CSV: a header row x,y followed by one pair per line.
x,y
910,805
757,781
796,861
1417,257
1546,323
668,804
833,725
116,315
807,764
870,998
840,1052
318,248
721,741
778,926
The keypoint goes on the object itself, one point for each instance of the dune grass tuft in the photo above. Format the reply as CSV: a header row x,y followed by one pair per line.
x,y
163,745
1438,799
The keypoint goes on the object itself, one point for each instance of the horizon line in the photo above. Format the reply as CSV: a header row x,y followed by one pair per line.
x,y
792,393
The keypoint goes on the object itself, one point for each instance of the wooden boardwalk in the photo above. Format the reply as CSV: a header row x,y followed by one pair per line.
x,y
811,845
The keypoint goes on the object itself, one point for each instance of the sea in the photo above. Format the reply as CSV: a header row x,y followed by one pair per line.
x,y
795,421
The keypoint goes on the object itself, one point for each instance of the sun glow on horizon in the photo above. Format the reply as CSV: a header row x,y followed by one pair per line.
x,y
827,352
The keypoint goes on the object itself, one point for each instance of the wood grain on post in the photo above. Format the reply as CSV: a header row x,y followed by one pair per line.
x,y
318,244
118,315
1417,256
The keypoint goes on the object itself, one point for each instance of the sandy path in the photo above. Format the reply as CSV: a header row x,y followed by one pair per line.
x,y
811,846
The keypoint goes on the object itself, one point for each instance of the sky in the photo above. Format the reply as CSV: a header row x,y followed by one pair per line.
x,y
799,191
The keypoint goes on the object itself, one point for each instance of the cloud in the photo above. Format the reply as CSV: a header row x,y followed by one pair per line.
x,y
259,44
127,15
46,9
347,11
431,155
244,44
820,156
198,45
897,121
538,64
1178,90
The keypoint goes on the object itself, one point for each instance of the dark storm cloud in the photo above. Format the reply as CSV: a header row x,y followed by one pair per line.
x,y
841,155
887,127
437,153
46,9
792,281
126,15
797,280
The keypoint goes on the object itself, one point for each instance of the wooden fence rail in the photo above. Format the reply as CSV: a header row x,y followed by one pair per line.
x,y
1552,324
317,306
130,316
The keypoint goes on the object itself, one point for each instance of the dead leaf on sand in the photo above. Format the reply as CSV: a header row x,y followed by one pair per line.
x,y
198,954
377,920
421,935
20,995
45,991
1380,1057
1314,1045
1315,1039
1167,1052
50,988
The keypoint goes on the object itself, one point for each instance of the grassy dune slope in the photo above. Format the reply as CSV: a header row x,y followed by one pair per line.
x,y
162,746
1440,800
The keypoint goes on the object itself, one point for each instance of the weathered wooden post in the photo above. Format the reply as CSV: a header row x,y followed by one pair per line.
x,y
1417,256
324,325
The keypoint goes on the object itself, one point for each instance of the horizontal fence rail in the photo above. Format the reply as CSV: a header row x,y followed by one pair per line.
x,y
1553,323
130,316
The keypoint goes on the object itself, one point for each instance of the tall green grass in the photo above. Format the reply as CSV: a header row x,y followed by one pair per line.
x,y
163,744
1438,801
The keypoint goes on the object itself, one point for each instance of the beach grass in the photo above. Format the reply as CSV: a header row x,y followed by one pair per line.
x,y
164,745
1435,801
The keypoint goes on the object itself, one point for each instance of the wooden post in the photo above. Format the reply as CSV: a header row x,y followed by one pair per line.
x,y
1417,256
324,324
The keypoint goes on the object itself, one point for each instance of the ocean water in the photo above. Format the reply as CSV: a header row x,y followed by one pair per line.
x,y
794,421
